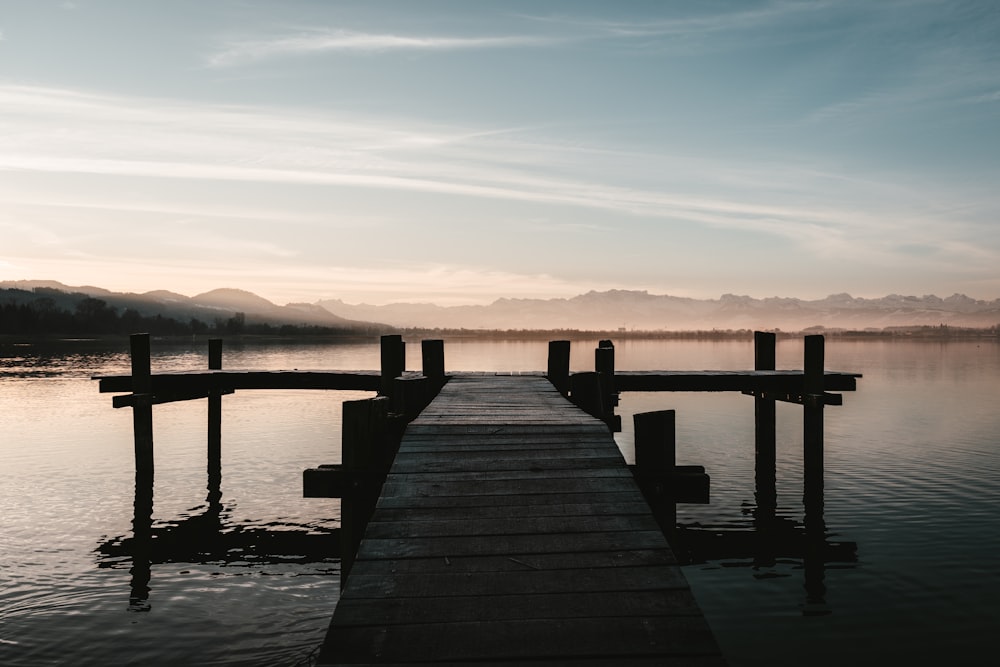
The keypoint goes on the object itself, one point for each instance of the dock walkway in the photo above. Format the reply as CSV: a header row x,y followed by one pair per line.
x,y
510,531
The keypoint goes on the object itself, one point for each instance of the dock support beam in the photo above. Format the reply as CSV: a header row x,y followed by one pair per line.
x,y
214,427
365,457
558,365
655,461
764,428
432,357
142,407
812,416
393,362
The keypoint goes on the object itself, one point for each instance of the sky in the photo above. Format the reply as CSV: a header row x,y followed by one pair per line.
x,y
456,152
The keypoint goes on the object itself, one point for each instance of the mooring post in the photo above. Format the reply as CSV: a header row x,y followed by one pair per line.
x,y
365,456
764,427
432,355
585,392
214,426
604,364
812,417
142,406
655,462
558,365
393,361
813,402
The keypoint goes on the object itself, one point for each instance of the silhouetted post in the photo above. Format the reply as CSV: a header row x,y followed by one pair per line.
x,y
655,462
558,366
365,457
214,427
812,417
410,395
585,392
142,406
432,354
604,364
814,565
764,427
393,361
142,427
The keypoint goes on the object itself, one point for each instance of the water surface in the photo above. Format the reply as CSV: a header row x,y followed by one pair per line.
x,y
909,512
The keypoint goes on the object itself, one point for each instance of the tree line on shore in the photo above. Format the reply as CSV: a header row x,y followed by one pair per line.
x,y
94,317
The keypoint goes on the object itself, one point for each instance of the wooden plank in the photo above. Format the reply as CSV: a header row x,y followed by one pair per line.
x,y
510,531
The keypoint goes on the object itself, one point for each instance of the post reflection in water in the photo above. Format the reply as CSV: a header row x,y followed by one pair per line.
x,y
142,541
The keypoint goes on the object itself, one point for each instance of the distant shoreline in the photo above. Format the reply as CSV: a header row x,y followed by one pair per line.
x,y
920,332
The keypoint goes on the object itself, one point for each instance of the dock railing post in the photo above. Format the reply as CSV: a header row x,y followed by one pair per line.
x,y
432,357
558,365
214,427
585,392
764,427
604,365
142,407
393,362
813,401
655,461
366,453
812,415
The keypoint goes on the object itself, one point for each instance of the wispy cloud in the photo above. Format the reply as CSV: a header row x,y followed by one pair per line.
x,y
46,130
238,52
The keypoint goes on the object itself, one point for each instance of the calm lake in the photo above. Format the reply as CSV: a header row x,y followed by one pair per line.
x,y
908,572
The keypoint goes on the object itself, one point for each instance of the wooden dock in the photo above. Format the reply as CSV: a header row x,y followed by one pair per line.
x,y
510,531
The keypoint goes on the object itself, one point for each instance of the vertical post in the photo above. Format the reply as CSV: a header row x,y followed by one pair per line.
x,y
366,453
393,361
604,364
558,365
812,415
432,353
764,426
765,458
142,427
586,394
655,460
814,566
142,408
214,428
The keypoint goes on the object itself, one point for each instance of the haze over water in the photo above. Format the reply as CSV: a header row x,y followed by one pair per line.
x,y
911,463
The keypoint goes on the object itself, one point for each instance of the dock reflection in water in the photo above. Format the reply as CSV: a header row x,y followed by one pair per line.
x,y
208,535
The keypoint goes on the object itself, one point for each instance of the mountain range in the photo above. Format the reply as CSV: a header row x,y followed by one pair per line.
x,y
638,310
603,311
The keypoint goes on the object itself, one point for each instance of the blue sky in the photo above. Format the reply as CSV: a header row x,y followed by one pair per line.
x,y
457,152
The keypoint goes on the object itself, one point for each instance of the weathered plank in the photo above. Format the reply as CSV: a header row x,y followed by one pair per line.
x,y
510,531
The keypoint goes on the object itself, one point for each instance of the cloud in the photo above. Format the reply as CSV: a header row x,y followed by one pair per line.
x,y
240,52
68,132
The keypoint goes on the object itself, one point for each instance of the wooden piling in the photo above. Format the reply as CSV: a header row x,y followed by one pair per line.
x,y
214,427
765,458
432,355
393,361
558,365
655,462
585,392
604,365
364,458
812,417
142,406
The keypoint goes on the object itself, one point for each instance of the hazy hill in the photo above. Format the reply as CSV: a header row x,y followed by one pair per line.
x,y
606,311
615,309
219,304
